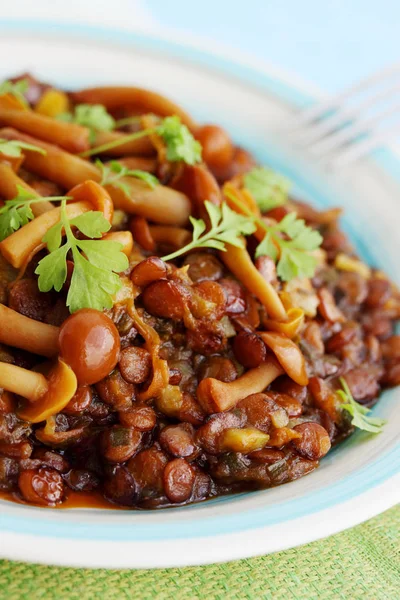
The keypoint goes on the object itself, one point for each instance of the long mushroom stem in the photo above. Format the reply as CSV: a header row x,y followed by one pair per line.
x,y
70,136
9,181
239,262
142,146
161,204
19,247
22,332
28,384
218,396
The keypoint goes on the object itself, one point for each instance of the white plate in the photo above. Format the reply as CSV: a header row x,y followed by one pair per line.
x,y
357,480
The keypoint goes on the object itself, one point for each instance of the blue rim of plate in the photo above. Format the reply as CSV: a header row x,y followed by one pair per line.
x,y
376,473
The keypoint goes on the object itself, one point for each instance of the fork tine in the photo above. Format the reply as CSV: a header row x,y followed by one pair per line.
x,y
359,150
317,111
342,117
347,134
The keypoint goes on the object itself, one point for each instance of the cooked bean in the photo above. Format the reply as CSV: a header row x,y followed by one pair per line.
x,y
142,418
19,450
354,287
149,270
249,349
262,411
120,443
267,456
41,486
285,385
202,485
391,347
292,406
205,342
135,364
178,480
217,147
8,473
120,487
26,299
392,373
344,337
314,442
51,459
190,410
363,384
298,467
234,296
327,307
147,469
208,435
379,291
203,266
179,441
208,300
81,400
165,299
218,367
116,392
377,324
81,480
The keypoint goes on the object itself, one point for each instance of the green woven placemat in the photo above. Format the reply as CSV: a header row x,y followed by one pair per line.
x,y
361,563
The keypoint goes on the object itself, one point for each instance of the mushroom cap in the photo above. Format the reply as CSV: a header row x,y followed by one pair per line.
x,y
62,384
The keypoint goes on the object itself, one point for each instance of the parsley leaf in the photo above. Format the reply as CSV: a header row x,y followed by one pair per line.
x,y
180,143
93,116
291,255
268,188
17,89
114,171
360,413
226,228
17,212
13,148
96,262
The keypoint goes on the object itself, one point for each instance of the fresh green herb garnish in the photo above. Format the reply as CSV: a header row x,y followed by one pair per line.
x,y
17,89
358,412
180,143
93,116
114,171
226,228
17,212
96,262
13,148
268,188
290,255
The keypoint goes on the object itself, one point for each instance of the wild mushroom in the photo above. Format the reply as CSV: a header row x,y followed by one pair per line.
x,y
45,396
22,332
288,354
70,136
218,396
239,262
161,204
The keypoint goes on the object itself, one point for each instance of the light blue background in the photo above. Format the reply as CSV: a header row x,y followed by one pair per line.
x,y
328,42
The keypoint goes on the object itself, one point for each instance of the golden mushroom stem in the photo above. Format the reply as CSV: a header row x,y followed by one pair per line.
x,y
9,181
177,237
239,262
17,380
122,237
20,246
70,136
138,99
218,396
22,332
161,204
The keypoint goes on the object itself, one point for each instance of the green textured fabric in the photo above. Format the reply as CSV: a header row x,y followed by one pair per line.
x,y
362,563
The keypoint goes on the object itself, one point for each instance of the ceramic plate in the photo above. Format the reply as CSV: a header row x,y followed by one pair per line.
x,y
359,479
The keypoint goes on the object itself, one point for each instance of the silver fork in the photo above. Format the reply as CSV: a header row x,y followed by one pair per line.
x,y
345,128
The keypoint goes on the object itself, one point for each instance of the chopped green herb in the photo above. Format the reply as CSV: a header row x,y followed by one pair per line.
x,y
114,171
268,188
93,116
180,143
96,262
291,255
17,212
14,148
17,89
227,227
360,413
